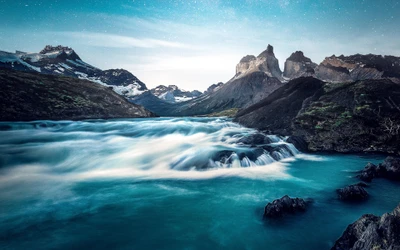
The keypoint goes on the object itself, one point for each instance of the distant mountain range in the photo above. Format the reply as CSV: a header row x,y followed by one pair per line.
x,y
61,60
255,79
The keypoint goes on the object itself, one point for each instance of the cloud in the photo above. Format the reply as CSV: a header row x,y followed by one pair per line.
x,y
119,41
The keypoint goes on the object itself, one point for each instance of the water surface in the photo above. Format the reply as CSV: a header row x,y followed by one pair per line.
x,y
164,184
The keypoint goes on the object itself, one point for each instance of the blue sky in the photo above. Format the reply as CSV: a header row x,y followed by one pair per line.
x,y
196,43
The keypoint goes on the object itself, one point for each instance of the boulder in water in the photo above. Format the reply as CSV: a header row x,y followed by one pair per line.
x,y
255,139
353,193
284,205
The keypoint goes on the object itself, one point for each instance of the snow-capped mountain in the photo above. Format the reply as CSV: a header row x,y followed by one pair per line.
x,y
173,93
60,60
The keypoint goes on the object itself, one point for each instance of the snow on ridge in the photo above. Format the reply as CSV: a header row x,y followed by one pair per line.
x,y
6,57
127,91
183,98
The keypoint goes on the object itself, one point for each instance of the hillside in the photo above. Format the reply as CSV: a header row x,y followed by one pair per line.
x,y
28,96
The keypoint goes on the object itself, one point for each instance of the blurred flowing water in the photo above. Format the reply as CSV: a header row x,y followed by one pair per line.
x,y
169,183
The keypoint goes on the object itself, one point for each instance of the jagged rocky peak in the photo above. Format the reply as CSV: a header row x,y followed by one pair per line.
x,y
64,52
297,65
359,67
268,52
298,56
49,49
265,62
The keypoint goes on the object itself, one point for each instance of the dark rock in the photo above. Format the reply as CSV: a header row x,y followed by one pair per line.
x,y
369,172
372,232
255,139
298,142
284,205
352,193
362,184
391,168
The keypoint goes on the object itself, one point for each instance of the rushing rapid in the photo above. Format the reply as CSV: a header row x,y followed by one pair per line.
x,y
149,148
169,183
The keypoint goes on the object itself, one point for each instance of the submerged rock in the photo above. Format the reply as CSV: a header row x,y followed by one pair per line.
x,y
372,232
255,139
353,193
284,205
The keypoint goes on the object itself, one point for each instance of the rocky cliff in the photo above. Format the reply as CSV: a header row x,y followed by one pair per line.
x,y
347,117
297,65
358,67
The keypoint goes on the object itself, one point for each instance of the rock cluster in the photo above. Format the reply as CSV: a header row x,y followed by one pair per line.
x,y
389,168
372,232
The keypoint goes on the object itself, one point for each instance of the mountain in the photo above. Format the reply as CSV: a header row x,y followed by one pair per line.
x,y
236,93
358,67
32,96
361,116
265,62
173,93
154,104
60,60
297,65
255,79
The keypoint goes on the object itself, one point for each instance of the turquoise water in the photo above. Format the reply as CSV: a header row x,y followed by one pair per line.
x,y
157,184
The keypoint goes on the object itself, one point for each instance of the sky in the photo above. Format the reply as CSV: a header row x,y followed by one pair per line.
x,y
196,43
